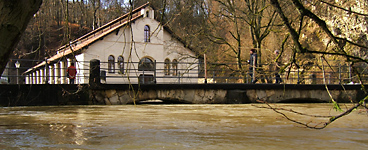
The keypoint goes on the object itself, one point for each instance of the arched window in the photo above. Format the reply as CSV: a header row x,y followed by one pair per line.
x,y
175,67
111,64
147,14
146,64
121,64
167,66
147,33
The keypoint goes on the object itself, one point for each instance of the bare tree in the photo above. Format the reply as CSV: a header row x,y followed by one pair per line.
x,y
261,19
96,4
239,25
15,16
331,47
226,28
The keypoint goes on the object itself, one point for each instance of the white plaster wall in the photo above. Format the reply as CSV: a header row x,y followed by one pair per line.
x,y
160,47
82,64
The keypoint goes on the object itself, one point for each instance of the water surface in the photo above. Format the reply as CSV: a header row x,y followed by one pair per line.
x,y
176,127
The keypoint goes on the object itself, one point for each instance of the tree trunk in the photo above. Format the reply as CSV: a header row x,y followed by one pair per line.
x,y
14,17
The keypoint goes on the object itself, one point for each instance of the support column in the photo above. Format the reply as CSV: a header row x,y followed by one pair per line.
x,y
57,73
69,61
27,78
80,74
46,76
63,72
38,77
42,76
52,74
67,64
32,78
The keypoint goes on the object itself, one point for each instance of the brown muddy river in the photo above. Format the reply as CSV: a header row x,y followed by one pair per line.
x,y
176,127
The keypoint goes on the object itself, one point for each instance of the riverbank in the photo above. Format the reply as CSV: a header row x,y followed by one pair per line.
x,y
43,95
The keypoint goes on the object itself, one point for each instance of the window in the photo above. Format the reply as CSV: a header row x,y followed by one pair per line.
x,y
175,67
167,66
146,33
111,64
146,64
121,64
147,14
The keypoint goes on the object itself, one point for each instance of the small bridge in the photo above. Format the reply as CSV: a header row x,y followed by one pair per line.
x,y
120,94
223,89
225,93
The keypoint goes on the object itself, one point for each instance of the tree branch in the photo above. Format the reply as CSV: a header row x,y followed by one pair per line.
x,y
292,31
347,10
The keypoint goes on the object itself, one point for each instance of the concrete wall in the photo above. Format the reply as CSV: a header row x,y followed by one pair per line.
x,y
227,93
44,95
112,94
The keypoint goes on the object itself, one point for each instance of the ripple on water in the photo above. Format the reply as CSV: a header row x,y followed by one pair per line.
x,y
174,127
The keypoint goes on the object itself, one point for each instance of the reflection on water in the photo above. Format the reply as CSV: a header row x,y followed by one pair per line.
x,y
175,127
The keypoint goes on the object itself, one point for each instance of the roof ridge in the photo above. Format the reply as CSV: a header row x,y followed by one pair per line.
x,y
119,19
68,48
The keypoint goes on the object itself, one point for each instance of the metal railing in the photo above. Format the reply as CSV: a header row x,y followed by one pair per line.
x,y
186,73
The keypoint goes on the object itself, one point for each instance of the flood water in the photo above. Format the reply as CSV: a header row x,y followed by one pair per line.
x,y
176,127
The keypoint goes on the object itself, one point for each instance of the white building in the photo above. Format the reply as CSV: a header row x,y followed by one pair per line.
x,y
127,47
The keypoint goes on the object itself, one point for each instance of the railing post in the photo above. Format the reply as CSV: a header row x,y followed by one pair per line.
x,y
339,73
298,82
254,69
179,77
205,69
350,76
94,73
46,72
154,73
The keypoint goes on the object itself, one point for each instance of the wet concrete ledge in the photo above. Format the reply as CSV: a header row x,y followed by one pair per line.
x,y
226,93
64,94
229,86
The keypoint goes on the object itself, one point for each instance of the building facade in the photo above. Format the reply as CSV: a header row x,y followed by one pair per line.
x,y
132,48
